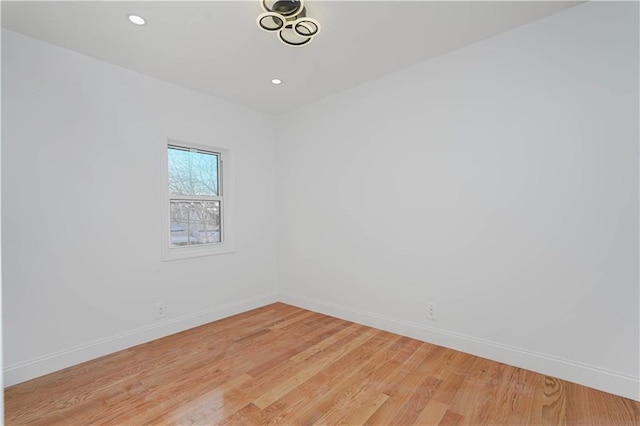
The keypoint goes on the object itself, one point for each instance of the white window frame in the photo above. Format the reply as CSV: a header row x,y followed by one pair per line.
x,y
225,182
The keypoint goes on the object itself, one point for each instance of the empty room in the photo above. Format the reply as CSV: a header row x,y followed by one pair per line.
x,y
320,212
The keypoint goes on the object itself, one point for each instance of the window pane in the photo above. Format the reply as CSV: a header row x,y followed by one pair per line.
x,y
193,172
195,222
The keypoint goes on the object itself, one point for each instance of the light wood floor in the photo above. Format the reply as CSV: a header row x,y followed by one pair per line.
x,y
281,364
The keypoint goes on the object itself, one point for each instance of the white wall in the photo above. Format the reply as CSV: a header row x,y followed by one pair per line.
x,y
82,142
499,181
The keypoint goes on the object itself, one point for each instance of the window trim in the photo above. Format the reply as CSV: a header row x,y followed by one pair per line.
x,y
226,191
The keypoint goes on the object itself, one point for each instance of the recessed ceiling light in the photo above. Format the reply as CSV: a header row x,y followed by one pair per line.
x,y
138,20
276,81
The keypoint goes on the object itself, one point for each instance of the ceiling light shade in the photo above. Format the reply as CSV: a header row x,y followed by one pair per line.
x,y
289,19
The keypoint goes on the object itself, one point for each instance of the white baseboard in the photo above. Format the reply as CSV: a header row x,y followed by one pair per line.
x,y
583,374
40,366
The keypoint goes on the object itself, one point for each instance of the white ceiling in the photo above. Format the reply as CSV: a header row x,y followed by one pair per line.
x,y
216,47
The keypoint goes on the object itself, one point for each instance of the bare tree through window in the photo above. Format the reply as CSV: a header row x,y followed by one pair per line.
x,y
195,196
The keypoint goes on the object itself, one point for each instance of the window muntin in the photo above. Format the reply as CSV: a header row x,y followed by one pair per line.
x,y
195,197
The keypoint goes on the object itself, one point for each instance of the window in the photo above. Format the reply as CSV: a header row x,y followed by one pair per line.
x,y
196,212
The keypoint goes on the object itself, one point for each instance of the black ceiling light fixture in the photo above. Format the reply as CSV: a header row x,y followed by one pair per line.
x,y
289,19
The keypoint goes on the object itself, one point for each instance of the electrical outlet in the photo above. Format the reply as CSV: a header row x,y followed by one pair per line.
x,y
161,310
432,312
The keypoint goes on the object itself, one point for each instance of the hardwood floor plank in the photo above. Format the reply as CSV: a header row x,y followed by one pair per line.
x,y
247,415
360,413
406,380
302,376
282,352
513,398
576,402
477,391
266,380
592,407
452,419
284,365
323,344
432,414
343,390
317,396
418,401
553,404
455,367
267,373
199,409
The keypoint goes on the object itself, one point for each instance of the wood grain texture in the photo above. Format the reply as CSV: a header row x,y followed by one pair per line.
x,y
283,365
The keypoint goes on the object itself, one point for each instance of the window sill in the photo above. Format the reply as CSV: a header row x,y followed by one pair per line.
x,y
178,253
